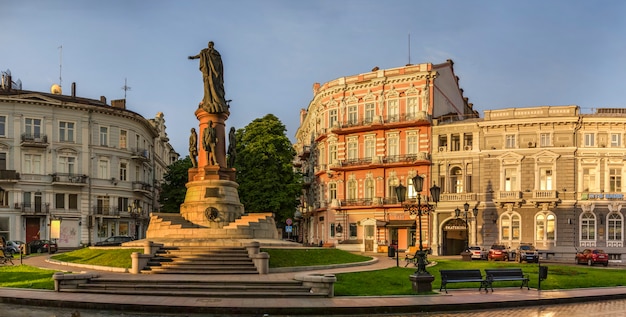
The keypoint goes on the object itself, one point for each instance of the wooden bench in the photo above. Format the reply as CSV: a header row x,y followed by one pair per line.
x,y
463,276
496,275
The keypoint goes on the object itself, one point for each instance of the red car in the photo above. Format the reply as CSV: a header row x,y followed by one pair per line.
x,y
498,252
591,257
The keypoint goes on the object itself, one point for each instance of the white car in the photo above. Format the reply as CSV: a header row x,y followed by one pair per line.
x,y
478,253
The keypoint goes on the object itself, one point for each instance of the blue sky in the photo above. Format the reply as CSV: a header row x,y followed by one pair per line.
x,y
506,53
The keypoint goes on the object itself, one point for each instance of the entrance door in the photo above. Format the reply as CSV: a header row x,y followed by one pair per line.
x,y
453,237
369,238
32,229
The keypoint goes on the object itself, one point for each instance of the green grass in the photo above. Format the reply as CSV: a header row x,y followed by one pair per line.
x,y
24,276
311,257
108,257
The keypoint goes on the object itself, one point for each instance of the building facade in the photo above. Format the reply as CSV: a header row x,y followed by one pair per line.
x,y
97,168
549,176
359,138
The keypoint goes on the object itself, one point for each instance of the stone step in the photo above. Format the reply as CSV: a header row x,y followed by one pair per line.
x,y
216,293
159,270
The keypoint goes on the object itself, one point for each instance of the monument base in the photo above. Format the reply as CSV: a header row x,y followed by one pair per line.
x,y
422,283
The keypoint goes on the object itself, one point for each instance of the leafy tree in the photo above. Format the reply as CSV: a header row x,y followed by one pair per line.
x,y
174,190
267,181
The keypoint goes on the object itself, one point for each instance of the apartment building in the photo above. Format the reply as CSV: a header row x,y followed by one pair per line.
x,y
94,167
359,138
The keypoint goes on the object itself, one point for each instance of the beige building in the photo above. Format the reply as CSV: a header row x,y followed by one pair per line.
x,y
95,167
549,176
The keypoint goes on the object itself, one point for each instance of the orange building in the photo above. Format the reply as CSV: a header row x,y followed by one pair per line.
x,y
359,138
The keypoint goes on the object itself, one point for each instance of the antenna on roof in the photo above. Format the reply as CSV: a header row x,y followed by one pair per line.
x,y
125,88
60,65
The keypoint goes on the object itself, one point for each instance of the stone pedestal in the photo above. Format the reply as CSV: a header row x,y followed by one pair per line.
x,y
466,256
422,282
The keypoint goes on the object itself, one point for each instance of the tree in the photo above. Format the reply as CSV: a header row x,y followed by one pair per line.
x,y
267,181
174,189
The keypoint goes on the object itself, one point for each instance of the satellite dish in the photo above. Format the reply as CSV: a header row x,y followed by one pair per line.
x,y
56,89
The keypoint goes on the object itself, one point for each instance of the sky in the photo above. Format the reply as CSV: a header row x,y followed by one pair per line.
x,y
506,53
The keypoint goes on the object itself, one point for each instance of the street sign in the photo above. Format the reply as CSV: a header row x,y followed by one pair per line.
x,y
288,229
288,221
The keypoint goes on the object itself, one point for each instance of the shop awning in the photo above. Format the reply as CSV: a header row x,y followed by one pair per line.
x,y
401,224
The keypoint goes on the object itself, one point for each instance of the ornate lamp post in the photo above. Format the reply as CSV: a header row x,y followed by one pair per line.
x,y
421,278
466,252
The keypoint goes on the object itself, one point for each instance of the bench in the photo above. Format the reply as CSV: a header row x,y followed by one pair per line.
x,y
496,275
463,276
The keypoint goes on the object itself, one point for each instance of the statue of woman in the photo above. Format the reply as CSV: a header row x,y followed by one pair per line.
x,y
213,75
193,147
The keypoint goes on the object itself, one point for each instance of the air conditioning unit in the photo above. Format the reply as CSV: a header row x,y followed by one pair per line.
x,y
531,144
468,148
442,149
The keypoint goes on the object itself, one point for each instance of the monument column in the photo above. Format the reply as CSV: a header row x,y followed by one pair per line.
x,y
218,120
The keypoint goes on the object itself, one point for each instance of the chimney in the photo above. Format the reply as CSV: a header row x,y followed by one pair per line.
x,y
118,103
74,90
103,99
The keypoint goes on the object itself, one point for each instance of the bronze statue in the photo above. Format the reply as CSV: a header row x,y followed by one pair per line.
x,y
213,74
232,150
209,140
193,147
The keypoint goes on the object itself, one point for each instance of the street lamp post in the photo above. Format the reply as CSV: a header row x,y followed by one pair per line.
x,y
419,210
457,213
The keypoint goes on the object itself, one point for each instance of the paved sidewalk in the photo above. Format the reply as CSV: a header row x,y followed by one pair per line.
x,y
455,300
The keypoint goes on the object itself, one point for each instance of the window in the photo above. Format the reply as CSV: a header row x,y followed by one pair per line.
x,y
545,140
411,142
391,188
66,131
545,227
410,189
32,164
59,201
615,180
614,227
510,141
332,230
455,142
332,191
67,164
589,180
392,111
352,115
123,171
73,201
122,204
104,136
616,140
3,161
32,128
545,180
4,197
456,180
102,205
510,227
369,188
4,228
352,189
392,145
103,168
370,149
332,118
411,108
369,113
589,139
3,126
123,139
352,149
510,179
588,227
332,154
353,230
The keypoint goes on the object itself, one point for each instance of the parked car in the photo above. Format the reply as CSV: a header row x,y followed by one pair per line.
x,y
478,253
41,246
13,247
498,252
592,256
114,241
526,252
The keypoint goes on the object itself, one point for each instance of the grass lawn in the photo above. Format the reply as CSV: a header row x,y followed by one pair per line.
x,y
391,281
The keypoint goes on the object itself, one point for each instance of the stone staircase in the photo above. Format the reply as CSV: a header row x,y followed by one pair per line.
x,y
201,260
194,288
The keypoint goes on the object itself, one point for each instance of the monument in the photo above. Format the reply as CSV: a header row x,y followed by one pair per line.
x,y
211,212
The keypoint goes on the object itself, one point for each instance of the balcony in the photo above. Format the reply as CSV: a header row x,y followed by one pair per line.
x,y
9,176
30,208
140,155
69,179
34,140
364,202
416,158
544,196
106,211
142,187
506,197
305,152
458,197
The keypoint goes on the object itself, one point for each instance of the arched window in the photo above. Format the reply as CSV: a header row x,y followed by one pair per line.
x,y
456,180
369,188
588,227
614,224
510,228
545,227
